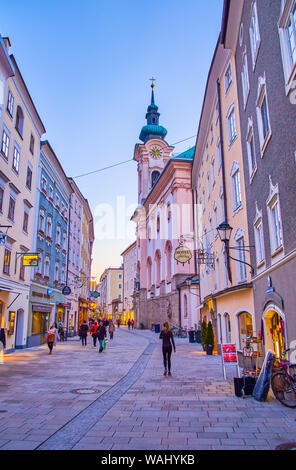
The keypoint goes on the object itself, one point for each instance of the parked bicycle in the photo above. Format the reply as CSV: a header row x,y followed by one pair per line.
x,y
283,382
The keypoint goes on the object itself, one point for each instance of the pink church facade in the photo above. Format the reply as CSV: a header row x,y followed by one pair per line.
x,y
165,248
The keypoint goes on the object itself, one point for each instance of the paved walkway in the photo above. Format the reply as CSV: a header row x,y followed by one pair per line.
x,y
79,399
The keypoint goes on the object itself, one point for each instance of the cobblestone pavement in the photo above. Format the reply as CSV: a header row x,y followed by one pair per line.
x,y
80,399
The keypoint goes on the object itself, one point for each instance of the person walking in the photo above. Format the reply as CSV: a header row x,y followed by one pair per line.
x,y
93,331
133,324
129,324
167,344
118,322
83,333
61,332
111,329
52,336
101,335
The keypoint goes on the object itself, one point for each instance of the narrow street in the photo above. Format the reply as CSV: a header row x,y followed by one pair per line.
x,y
79,399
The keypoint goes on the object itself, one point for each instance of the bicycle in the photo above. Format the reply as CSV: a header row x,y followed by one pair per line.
x,y
283,382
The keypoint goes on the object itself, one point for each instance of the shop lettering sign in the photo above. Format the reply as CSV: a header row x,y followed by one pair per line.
x,y
183,254
30,260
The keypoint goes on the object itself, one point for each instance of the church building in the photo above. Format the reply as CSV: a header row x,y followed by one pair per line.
x,y
165,230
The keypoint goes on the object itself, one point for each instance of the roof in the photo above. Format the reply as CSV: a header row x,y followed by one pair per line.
x,y
130,247
187,155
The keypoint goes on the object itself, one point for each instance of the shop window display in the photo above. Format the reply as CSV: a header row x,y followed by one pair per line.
x,y
245,324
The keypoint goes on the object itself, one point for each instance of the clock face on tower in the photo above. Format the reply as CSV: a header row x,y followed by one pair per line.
x,y
155,152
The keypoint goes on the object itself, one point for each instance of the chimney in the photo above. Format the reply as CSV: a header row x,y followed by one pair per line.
x,y
7,43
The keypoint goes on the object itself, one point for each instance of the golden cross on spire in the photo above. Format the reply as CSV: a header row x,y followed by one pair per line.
x,y
152,84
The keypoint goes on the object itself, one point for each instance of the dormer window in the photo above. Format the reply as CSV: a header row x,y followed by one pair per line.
x,y
19,123
154,177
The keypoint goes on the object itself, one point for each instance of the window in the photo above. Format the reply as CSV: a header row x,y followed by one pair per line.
x,y
217,269
219,154
43,184
154,177
16,160
1,198
231,126
57,201
254,34
245,328
228,78
222,208
287,31
11,208
49,227
259,241
5,144
227,328
251,149
64,241
208,185
207,151
211,134
29,178
263,114
241,255
41,220
51,193
213,171
119,276
275,225
217,113
19,123
6,263
236,187
10,103
158,262
22,270
32,142
203,200
215,212
168,262
245,79
26,220
58,235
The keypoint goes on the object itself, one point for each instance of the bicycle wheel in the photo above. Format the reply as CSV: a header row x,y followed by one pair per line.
x,y
283,390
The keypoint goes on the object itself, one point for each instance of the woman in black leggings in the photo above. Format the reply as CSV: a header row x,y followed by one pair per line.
x,y
167,343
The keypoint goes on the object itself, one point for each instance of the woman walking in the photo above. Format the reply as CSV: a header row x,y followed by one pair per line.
x,y
167,344
111,329
101,335
52,336
93,331
83,333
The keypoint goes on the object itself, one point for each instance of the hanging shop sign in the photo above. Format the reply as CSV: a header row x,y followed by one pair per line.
x,y
229,357
66,290
95,294
30,260
182,254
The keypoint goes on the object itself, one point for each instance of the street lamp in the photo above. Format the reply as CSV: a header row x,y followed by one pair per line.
x,y
224,230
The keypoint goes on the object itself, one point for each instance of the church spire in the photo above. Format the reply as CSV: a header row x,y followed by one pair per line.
x,y
152,129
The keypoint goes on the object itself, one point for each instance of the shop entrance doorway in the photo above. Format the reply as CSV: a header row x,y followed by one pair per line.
x,y
274,332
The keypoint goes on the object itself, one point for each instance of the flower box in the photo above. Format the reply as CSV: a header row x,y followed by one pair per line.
x,y
49,239
40,232
58,246
38,275
50,199
44,190
46,278
56,282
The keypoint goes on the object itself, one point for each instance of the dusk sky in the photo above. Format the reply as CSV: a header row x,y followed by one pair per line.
x,y
87,66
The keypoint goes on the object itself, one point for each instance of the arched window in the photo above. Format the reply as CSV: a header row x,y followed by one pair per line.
x,y
149,272
154,177
227,328
19,123
168,251
157,261
245,327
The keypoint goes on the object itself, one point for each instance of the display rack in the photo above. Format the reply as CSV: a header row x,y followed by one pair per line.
x,y
254,354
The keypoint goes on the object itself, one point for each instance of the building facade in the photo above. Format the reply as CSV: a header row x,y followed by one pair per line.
x,y
164,221
21,130
87,239
47,302
266,92
111,286
129,276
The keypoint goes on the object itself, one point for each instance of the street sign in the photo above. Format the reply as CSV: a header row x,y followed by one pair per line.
x,y
182,254
95,294
3,238
66,290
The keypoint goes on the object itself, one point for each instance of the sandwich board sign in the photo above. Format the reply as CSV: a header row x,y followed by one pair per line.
x,y
229,357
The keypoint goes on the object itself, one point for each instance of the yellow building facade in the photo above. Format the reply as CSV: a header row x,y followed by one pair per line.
x,y
218,180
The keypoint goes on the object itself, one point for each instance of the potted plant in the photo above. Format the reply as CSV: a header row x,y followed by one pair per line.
x,y
209,339
203,334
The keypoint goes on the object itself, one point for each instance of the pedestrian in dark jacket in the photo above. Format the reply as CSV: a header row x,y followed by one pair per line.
x,y
3,337
167,343
101,335
129,324
111,329
83,333
93,331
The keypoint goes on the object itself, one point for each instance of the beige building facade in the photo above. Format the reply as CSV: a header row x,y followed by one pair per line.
x,y
129,276
112,293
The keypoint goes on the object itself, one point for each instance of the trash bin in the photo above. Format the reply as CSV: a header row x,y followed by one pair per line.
x,y
157,327
197,336
191,334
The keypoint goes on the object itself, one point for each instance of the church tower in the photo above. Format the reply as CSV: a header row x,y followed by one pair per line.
x,y
153,154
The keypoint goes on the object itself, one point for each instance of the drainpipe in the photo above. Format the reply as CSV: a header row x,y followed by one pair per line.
x,y
179,290
223,176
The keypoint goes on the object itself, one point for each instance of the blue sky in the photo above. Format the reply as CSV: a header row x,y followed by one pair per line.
x,y
87,66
